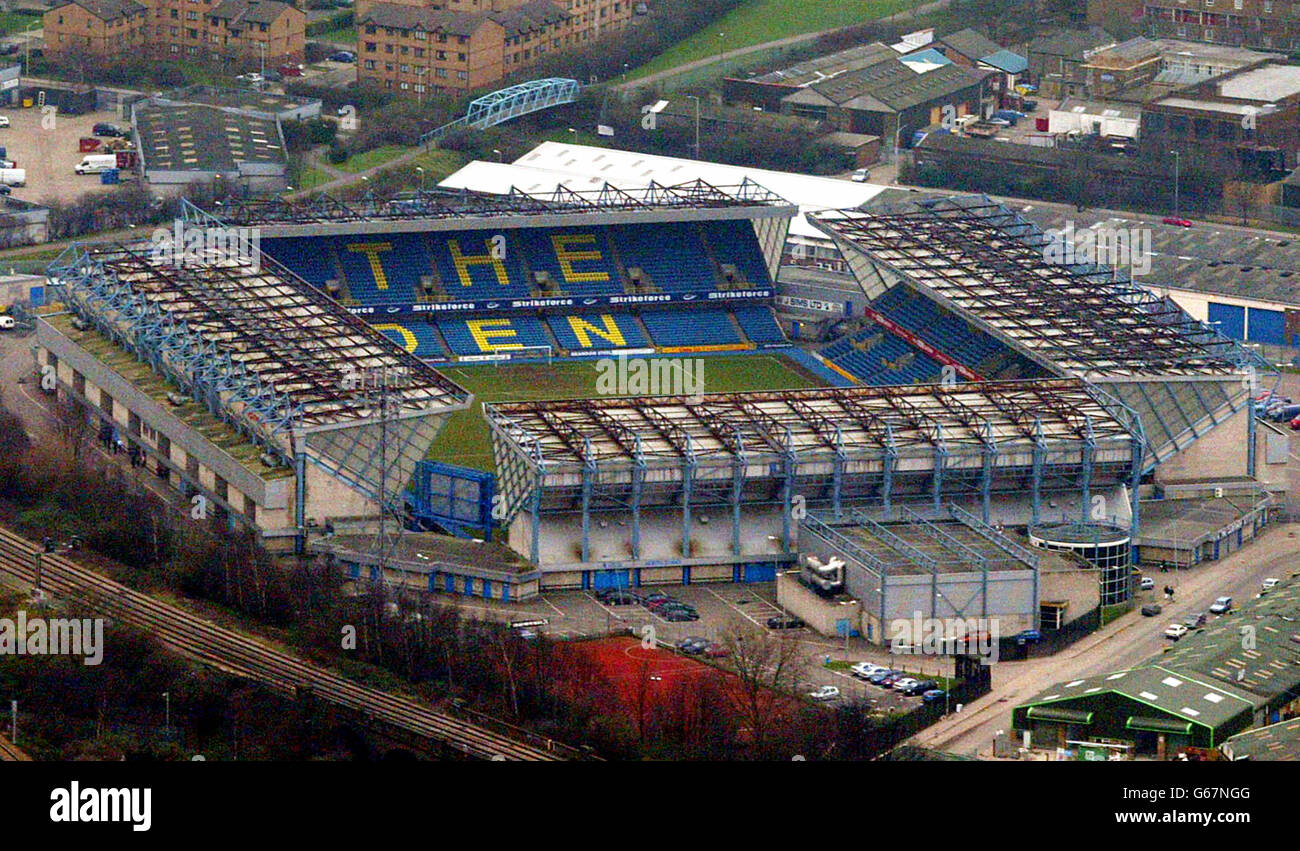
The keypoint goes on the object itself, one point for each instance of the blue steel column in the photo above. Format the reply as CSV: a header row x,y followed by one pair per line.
x,y
737,491
300,502
588,475
887,468
1135,482
940,458
1250,435
1085,472
837,473
1036,486
638,479
688,474
787,491
535,511
986,476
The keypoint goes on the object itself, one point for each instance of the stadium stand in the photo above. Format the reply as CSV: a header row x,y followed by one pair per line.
x,y
684,267
309,258
578,260
416,335
734,243
875,356
595,332
381,270
691,328
953,336
488,335
759,324
468,270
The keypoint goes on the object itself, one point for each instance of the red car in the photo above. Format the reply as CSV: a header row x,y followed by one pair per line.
x,y
1174,220
715,651
1295,424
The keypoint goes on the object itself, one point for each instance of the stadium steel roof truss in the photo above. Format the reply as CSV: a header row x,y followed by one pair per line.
x,y
269,354
765,447
985,261
442,204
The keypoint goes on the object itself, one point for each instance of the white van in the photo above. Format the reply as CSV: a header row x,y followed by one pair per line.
x,y
7,321
13,176
96,163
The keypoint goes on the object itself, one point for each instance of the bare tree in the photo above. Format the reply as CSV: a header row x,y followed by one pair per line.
x,y
72,425
767,667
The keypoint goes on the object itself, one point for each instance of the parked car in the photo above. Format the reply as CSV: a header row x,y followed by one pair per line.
x,y
1150,610
904,683
110,130
784,622
716,651
1195,621
342,56
825,693
618,598
1284,413
655,597
862,670
693,644
4,121
1147,583
1176,631
1270,583
879,677
1028,636
1295,424
681,616
253,78
862,175
5,189
1177,220
934,695
889,679
1221,606
920,688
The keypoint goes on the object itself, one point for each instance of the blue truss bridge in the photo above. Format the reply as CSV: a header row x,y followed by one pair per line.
x,y
508,103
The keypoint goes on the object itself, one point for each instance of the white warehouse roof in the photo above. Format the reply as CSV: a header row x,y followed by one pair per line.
x,y
581,167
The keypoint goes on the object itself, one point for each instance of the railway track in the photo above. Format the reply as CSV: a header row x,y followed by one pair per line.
x,y
11,753
213,645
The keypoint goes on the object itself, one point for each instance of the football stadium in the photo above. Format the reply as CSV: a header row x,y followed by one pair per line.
x,y
586,389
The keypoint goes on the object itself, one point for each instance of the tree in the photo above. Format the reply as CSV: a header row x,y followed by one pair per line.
x,y
72,424
767,668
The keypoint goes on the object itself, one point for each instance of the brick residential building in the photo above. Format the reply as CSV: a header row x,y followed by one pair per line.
x,y
415,48
1268,24
238,31
98,28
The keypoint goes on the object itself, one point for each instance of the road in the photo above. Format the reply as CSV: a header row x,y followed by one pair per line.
x,y
1124,643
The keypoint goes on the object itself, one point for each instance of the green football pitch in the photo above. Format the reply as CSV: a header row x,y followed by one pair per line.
x,y
465,439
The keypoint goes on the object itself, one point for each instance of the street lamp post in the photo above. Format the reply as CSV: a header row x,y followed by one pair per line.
x,y
167,698
500,156
420,171
1177,177
697,124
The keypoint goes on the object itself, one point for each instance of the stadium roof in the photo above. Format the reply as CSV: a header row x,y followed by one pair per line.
x,y
586,167
297,342
460,206
824,421
979,256
269,354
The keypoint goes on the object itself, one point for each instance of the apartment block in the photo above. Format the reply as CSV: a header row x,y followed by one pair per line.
x,y
203,30
415,47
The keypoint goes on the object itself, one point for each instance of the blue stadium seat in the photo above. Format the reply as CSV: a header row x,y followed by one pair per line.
x,y
734,242
485,335
671,254
592,331
311,259
417,336
758,323
690,327
578,260
469,272
941,329
877,357
382,268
